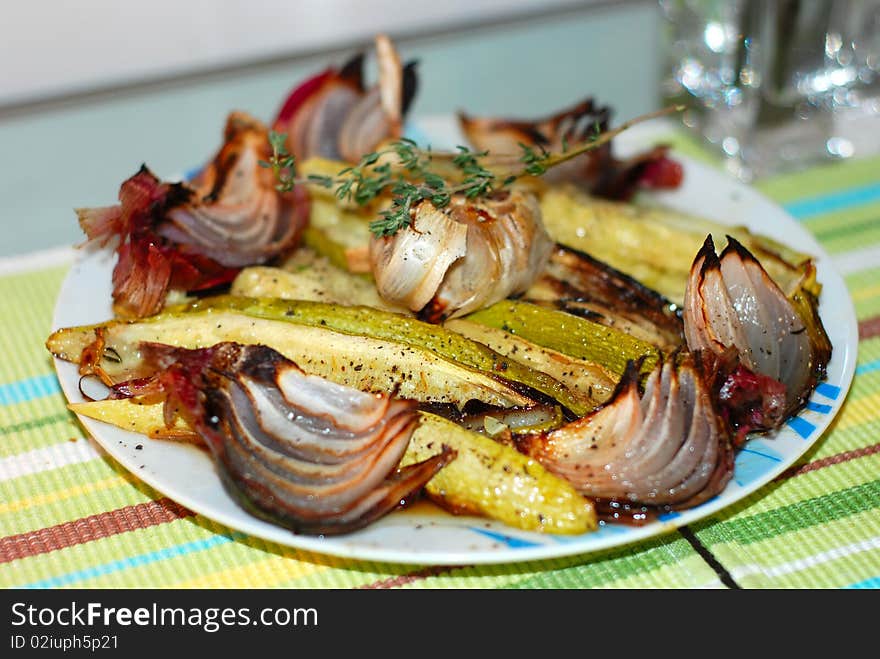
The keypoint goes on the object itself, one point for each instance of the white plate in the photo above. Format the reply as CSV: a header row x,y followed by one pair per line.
x,y
424,535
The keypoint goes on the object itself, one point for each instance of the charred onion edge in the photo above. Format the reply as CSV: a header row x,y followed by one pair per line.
x,y
577,277
277,481
810,338
599,171
385,104
708,475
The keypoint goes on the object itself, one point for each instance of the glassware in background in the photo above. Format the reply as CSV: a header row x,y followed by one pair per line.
x,y
776,84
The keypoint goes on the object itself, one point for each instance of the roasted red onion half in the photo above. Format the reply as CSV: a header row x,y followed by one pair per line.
x,y
332,115
665,448
732,304
195,236
296,449
462,257
598,170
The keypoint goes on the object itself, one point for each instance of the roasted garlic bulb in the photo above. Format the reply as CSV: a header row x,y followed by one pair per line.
x,y
462,257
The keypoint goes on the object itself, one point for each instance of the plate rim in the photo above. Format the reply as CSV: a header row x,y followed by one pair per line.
x,y
337,546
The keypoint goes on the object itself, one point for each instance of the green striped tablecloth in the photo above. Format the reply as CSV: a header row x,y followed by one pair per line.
x,y
71,516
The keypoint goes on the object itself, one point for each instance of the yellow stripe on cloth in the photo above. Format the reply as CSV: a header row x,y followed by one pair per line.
x,y
52,497
263,573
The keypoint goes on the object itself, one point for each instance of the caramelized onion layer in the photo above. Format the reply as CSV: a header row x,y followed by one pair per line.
x,y
332,115
731,303
301,451
667,447
197,236
234,214
598,170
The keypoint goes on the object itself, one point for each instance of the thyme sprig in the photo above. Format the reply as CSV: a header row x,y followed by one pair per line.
x,y
412,179
282,163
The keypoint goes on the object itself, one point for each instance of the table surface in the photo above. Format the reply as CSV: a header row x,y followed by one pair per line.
x,y
71,516
84,146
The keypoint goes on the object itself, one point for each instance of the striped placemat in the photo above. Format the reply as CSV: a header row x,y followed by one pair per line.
x,y
71,517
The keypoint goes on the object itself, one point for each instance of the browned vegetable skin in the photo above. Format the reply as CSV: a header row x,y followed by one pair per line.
x,y
732,303
298,450
580,284
333,115
653,244
588,382
366,348
666,448
486,478
195,236
569,334
463,257
598,170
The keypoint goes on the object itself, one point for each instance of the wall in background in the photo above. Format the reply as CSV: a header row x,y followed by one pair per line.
x,y
57,156
71,47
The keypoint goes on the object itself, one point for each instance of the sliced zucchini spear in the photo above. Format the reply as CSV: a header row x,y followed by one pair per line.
x,y
568,334
654,245
321,282
591,380
343,236
485,478
369,349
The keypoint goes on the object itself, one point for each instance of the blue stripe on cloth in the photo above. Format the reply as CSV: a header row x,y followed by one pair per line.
x,y
869,367
134,561
805,208
873,582
28,389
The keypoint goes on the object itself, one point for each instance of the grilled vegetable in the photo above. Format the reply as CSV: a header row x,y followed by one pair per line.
x,y
589,381
486,478
298,450
463,257
668,447
307,276
502,424
656,246
731,303
568,334
494,480
195,236
366,348
342,235
333,115
580,284
598,170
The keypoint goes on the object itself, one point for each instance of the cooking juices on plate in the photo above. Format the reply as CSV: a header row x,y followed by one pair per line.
x,y
348,320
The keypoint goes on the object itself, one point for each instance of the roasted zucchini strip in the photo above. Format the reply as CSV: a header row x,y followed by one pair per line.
x,y
366,348
343,236
569,334
654,245
496,481
587,384
590,380
580,284
320,281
